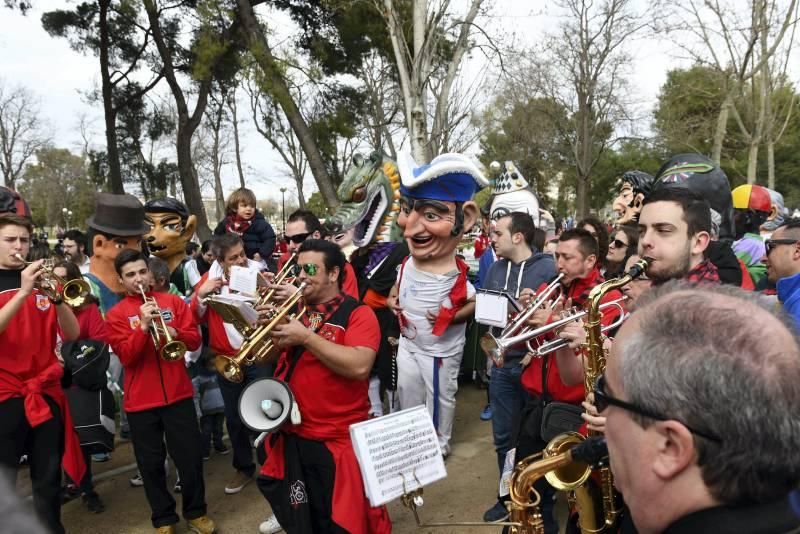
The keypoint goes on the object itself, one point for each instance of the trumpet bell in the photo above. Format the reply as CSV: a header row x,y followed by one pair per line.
x,y
493,348
229,369
174,350
572,475
75,292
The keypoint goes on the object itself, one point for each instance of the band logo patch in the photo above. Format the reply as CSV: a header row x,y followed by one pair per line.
x,y
314,320
42,302
134,321
166,313
297,493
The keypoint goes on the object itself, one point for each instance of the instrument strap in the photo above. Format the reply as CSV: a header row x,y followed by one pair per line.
x,y
297,352
545,396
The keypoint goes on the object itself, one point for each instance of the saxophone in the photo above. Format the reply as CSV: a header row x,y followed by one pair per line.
x,y
558,463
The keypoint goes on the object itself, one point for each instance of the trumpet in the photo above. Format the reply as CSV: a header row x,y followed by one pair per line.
x,y
287,268
258,344
170,349
518,331
73,292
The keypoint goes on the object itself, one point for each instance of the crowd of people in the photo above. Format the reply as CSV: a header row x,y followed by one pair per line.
x,y
696,396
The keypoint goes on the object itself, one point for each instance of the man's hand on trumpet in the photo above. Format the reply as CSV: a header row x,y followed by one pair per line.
x,y
148,312
282,291
29,276
292,333
265,312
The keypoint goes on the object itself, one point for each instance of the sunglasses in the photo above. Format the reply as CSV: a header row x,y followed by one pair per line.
x,y
619,244
310,269
770,244
603,400
297,238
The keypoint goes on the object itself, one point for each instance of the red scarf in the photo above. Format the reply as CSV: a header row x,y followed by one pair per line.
x,y
458,296
237,225
33,390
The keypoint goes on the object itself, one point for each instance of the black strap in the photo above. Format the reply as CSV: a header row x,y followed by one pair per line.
x,y
545,396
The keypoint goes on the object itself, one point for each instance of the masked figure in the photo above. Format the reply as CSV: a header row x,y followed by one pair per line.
x,y
777,213
751,206
117,224
435,297
634,186
512,192
171,228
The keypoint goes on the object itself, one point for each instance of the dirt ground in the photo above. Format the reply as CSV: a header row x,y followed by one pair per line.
x,y
468,490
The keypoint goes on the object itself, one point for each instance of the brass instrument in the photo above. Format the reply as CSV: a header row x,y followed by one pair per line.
x,y
257,343
280,276
170,349
73,292
573,477
554,345
518,331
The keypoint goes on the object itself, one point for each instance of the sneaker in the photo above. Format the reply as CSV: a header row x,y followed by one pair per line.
x,y
101,457
496,513
69,492
202,525
137,481
166,529
222,449
206,456
486,414
93,503
178,488
270,526
240,480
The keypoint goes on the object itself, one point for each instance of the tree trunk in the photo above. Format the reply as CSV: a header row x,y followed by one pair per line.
x,y
721,128
236,146
752,160
771,164
115,184
276,84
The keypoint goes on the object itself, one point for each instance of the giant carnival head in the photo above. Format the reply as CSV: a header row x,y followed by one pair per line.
x,y
633,187
512,192
701,175
171,228
751,207
12,202
777,212
436,205
369,196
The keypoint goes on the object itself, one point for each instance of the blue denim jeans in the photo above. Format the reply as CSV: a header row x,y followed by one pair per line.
x,y
507,397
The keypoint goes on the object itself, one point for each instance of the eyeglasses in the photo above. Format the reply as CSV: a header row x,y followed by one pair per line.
x,y
603,400
310,269
772,243
297,238
619,244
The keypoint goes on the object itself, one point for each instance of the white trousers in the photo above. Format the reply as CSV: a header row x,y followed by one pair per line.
x,y
415,387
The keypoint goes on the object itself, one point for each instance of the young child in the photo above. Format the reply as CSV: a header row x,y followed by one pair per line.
x,y
209,405
242,218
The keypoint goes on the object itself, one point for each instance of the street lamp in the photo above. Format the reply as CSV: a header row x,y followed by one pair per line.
x,y
67,216
283,208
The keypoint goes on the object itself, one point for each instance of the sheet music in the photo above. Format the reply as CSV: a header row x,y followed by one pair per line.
x,y
491,309
243,279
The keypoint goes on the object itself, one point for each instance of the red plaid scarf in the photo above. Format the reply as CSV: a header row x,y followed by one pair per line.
x,y
236,225
704,272
317,314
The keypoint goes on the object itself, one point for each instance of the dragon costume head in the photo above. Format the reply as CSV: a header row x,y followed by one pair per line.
x,y
369,196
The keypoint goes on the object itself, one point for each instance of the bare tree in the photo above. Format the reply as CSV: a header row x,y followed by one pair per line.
x,y
420,63
22,132
234,119
582,68
382,108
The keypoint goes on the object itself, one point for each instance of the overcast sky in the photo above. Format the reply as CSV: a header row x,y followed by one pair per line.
x,y
59,75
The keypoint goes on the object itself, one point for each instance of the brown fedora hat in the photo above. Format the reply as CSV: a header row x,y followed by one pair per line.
x,y
120,215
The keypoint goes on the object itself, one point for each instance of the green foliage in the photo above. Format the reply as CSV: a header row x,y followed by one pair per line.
x,y
316,205
59,179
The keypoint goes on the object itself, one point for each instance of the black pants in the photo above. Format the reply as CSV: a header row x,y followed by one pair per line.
x,y
303,501
241,439
178,424
44,446
211,428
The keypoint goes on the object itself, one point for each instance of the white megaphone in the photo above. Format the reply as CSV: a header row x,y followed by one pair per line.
x,y
265,405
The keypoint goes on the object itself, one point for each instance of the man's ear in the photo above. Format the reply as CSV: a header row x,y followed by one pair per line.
x,y
471,214
592,258
190,226
702,239
673,446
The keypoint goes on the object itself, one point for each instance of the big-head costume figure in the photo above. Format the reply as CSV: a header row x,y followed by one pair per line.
x,y
751,207
435,297
117,224
777,213
634,186
370,196
512,192
170,229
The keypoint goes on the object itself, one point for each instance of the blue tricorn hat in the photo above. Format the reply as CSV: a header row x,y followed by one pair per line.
x,y
449,177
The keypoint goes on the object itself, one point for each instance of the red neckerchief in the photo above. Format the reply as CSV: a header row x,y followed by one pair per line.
x,y
237,225
580,288
704,272
458,296
316,314
33,390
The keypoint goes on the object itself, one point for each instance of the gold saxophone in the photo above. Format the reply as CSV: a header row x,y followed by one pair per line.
x,y
558,463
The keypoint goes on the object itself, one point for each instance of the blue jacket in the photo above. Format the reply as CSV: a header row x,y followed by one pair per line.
x,y
789,295
260,237
207,395
484,262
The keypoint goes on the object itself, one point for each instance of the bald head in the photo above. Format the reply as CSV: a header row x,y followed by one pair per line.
x,y
718,359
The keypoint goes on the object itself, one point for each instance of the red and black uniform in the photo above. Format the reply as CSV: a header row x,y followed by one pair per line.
x,y
158,400
311,476
34,416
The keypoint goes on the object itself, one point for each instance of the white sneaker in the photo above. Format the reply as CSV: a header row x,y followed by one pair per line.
x,y
270,526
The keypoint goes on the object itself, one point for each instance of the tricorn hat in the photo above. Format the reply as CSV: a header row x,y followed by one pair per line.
x,y
119,215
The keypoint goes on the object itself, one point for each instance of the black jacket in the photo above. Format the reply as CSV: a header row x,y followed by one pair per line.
x,y
769,518
721,255
260,237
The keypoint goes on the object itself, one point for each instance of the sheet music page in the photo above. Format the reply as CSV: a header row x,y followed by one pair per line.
x,y
243,280
491,309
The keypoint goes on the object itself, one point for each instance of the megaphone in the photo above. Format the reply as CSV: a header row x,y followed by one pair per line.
x,y
266,404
